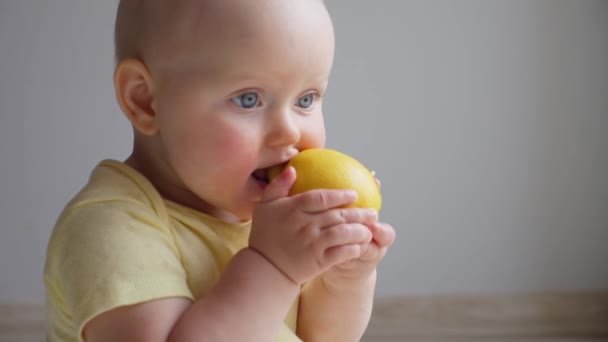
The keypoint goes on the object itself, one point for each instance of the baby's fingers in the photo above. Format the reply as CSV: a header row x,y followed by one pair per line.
x,y
348,215
279,187
316,201
383,234
344,234
341,254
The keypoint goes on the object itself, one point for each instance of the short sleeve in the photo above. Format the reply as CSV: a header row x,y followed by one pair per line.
x,y
109,254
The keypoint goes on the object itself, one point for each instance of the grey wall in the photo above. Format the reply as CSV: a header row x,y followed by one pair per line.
x,y
485,120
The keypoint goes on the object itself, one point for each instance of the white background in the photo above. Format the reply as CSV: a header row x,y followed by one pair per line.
x,y
485,120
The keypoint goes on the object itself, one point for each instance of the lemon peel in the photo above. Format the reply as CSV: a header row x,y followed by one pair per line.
x,y
330,169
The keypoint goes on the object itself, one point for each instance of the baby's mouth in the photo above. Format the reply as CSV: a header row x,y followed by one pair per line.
x,y
267,174
261,175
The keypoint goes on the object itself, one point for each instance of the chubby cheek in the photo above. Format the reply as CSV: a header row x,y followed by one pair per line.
x,y
233,150
312,133
205,154
236,149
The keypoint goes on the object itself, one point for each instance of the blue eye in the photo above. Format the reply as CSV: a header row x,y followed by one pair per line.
x,y
306,101
247,100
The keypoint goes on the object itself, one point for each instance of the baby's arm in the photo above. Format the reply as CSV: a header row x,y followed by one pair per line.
x,y
293,240
249,304
332,314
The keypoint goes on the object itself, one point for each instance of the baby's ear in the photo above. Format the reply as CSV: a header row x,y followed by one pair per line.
x,y
135,94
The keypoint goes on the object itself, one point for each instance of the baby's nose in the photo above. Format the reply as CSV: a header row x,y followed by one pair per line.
x,y
283,129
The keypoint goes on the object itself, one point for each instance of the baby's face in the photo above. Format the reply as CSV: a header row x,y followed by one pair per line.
x,y
244,96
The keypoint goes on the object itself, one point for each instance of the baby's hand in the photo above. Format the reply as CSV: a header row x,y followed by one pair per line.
x,y
360,269
306,234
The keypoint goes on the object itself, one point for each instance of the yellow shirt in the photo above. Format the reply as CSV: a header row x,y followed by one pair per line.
x,y
119,243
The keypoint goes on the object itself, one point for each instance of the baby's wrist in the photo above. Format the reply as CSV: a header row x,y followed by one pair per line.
x,y
340,283
271,265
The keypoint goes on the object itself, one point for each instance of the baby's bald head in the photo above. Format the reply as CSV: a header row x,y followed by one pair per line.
x,y
142,25
149,29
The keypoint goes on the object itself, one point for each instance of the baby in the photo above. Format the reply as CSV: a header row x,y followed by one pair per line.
x,y
186,240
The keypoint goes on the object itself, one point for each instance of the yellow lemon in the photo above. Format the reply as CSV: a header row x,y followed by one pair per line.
x,y
330,169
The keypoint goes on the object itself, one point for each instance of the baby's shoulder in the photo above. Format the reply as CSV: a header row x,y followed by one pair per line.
x,y
113,182
115,195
